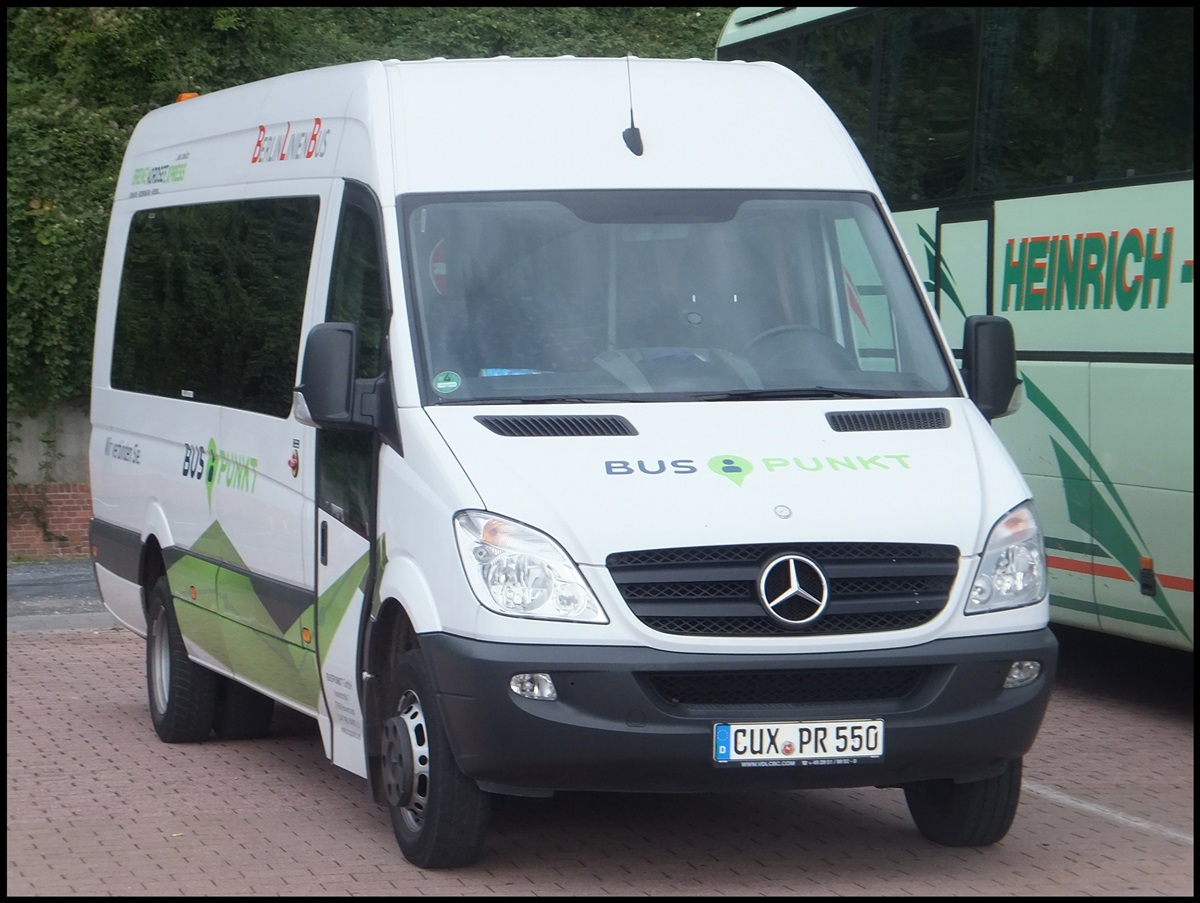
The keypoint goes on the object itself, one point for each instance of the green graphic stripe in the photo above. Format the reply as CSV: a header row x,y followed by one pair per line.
x,y
335,601
236,593
283,668
270,606
945,278
1086,506
190,571
1078,548
210,472
254,644
381,550
1043,403
1141,618
215,544
1089,608
203,628
1144,618
287,669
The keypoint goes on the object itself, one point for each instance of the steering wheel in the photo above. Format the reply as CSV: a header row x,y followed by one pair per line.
x,y
794,345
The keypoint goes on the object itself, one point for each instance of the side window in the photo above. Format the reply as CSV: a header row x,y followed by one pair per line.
x,y
211,302
862,291
357,294
356,287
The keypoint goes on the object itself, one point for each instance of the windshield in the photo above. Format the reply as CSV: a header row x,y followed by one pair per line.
x,y
663,295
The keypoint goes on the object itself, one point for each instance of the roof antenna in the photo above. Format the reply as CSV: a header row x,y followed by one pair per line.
x,y
632,135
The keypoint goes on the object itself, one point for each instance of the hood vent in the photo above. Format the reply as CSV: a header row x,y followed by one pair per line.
x,y
870,421
559,425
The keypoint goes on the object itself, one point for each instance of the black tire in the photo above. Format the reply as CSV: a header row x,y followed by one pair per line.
x,y
974,814
182,694
241,713
439,816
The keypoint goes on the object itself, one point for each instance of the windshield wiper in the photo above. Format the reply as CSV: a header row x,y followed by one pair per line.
x,y
806,392
550,399
646,397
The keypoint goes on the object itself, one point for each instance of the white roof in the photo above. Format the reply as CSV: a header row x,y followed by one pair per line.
x,y
506,124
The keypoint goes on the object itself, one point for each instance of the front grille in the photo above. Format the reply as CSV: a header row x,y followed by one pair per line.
x,y
713,590
784,688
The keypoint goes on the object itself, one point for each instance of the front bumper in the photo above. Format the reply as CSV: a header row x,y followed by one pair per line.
x,y
612,727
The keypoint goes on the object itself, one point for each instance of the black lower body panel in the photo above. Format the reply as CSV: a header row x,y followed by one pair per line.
x,y
635,719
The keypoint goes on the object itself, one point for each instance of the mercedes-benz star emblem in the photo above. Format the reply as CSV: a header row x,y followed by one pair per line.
x,y
792,589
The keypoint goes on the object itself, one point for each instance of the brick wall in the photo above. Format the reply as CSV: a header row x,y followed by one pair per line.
x,y
67,507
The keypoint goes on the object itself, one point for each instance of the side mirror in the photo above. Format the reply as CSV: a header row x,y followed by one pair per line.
x,y
325,396
989,366
330,397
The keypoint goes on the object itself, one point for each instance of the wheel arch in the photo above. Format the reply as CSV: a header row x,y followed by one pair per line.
x,y
152,564
152,561
390,633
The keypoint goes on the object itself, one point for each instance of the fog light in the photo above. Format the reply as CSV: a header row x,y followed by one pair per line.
x,y
1021,674
536,685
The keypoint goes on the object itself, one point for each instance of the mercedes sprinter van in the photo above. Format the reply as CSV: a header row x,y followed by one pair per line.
x,y
566,424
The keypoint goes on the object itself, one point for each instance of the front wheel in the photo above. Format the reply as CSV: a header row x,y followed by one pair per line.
x,y
183,694
973,814
439,816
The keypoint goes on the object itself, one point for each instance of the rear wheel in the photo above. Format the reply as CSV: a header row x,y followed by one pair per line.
x,y
242,713
439,816
973,814
182,693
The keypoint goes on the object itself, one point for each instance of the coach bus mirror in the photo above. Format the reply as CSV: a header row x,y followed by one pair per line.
x,y
325,395
989,366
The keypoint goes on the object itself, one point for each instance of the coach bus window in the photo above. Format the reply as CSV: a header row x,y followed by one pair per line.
x,y
925,115
1031,104
1145,122
837,62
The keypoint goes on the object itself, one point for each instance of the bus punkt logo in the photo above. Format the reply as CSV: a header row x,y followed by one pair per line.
x,y
736,469
218,467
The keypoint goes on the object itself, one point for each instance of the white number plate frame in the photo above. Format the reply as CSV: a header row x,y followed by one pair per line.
x,y
812,742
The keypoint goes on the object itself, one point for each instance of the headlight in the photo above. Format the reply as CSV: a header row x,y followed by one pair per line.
x,y
1012,569
516,570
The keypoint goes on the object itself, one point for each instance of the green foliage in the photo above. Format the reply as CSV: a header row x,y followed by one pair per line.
x,y
79,79
62,164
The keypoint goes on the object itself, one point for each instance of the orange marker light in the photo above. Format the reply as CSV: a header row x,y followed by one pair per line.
x,y
186,95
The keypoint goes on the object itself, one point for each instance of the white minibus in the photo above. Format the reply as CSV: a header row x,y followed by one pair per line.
x,y
543,425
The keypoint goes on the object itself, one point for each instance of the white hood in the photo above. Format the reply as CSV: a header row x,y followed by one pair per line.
x,y
738,472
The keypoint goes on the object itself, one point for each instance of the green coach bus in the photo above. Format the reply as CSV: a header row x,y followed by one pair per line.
x,y
1039,162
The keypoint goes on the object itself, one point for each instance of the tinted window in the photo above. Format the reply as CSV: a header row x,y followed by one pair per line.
x,y
211,301
1145,114
357,294
1032,99
837,62
923,150
989,102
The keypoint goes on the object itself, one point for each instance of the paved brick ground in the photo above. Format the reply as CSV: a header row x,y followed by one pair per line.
x,y
97,806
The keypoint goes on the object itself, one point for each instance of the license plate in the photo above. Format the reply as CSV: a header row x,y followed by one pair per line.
x,y
812,742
